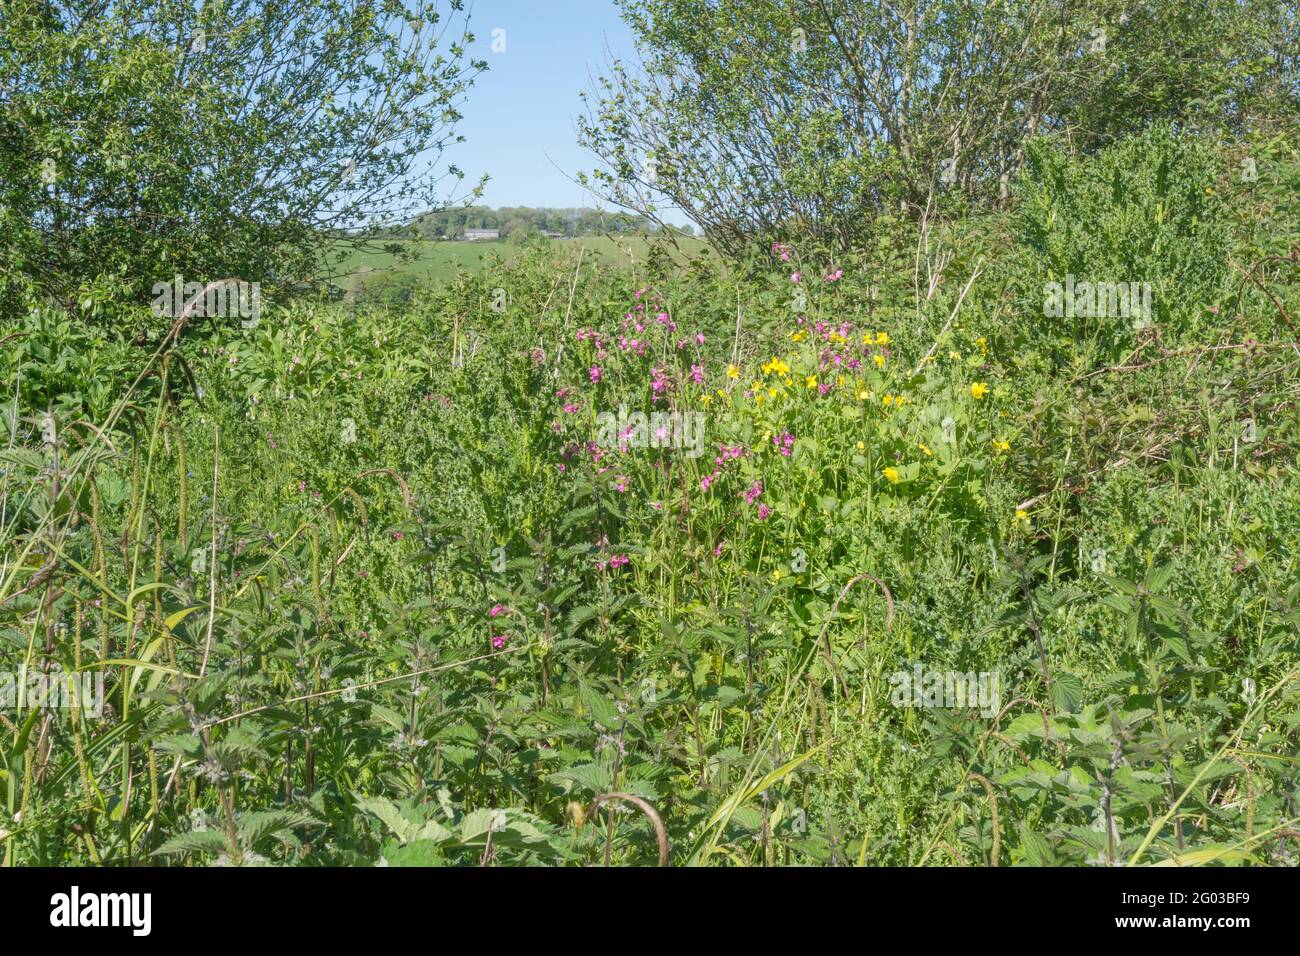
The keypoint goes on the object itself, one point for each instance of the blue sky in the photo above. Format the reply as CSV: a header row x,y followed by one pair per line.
x,y
519,115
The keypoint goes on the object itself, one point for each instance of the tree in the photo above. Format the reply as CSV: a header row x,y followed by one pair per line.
x,y
141,139
816,117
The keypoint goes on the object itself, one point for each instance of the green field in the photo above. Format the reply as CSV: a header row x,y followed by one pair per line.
x,y
442,260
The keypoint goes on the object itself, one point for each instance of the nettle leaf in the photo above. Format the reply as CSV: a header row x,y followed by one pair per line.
x,y
592,777
1179,649
1119,602
1066,692
415,853
724,694
600,707
259,824
195,841
1030,725
185,744
388,813
22,458
389,716
1034,848
580,616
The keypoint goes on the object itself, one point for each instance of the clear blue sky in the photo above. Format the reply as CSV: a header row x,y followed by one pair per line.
x,y
519,115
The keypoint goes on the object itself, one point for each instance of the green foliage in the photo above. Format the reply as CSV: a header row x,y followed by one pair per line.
x,y
368,590
1144,211
781,119
150,138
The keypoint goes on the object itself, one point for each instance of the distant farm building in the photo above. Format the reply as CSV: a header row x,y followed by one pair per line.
x,y
481,235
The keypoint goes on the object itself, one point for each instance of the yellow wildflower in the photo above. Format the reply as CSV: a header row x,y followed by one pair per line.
x,y
925,448
979,389
733,371
1001,445
892,474
811,381
879,360
862,446
882,338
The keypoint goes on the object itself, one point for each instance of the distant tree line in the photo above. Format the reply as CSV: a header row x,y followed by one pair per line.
x,y
518,221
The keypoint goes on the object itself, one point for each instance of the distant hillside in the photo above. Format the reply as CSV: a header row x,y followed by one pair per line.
x,y
509,220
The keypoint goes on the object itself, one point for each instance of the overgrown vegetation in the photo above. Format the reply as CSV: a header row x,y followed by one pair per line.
x,y
759,117
365,585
